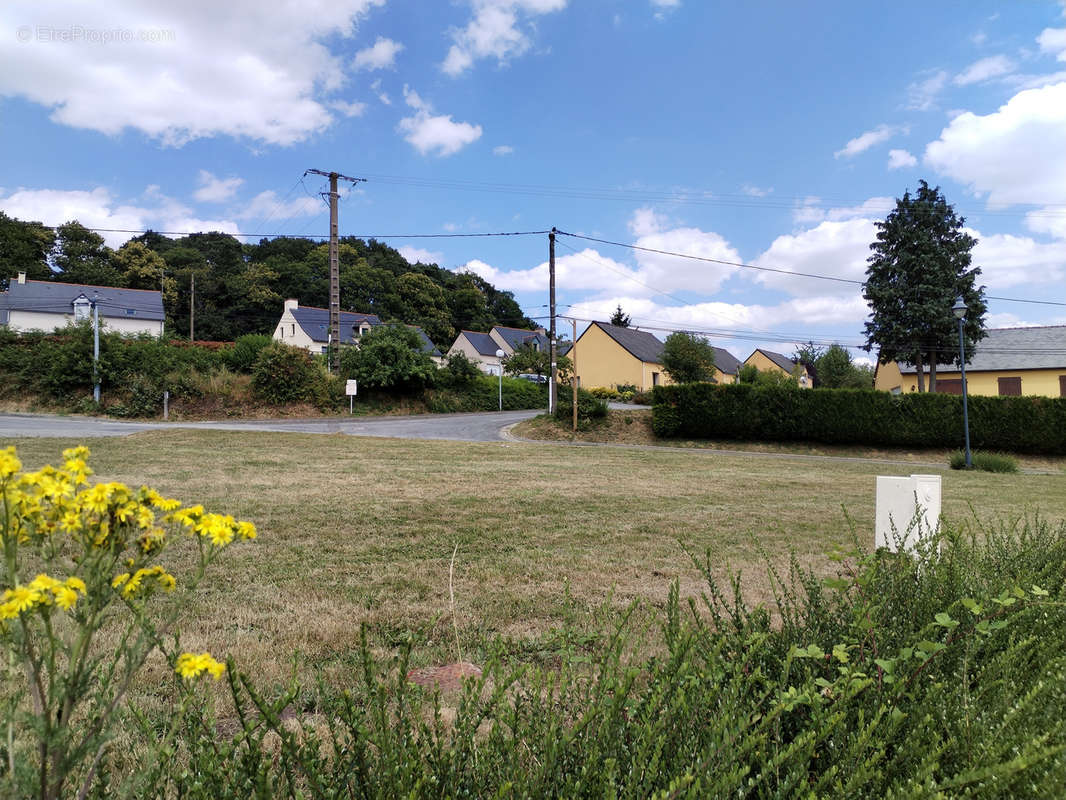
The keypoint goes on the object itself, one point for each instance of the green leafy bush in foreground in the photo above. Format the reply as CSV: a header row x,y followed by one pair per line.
x,y
942,675
989,462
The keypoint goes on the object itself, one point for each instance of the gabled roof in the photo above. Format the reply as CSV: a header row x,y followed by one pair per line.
x,y
315,323
483,343
786,363
50,297
642,345
516,337
1013,348
428,347
725,362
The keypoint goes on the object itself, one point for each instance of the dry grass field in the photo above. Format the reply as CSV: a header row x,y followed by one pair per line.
x,y
356,530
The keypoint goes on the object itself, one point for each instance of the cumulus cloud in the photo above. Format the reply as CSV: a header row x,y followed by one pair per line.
x,y
1053,41
984,70
838,248
416,255
898,159
864,141
1007,260
434,133
1047,220
216,190
1013,155
499,29
180,71
381,55
98,208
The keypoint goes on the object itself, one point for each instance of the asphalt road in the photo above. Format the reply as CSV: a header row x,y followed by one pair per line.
x,y
478,427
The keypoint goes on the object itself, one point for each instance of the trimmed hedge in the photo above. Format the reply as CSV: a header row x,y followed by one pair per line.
x,y
858,416
481,394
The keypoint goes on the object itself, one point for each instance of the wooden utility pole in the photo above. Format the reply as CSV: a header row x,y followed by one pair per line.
x,y
334,267
192,305
573,367
552,390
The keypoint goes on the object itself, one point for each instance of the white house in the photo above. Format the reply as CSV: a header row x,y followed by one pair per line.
x,y
308,327
46,305
481,347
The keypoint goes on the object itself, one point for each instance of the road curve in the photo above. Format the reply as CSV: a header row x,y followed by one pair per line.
x,y
475,427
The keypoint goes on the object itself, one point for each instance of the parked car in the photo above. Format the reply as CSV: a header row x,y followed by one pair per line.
x,y
533,377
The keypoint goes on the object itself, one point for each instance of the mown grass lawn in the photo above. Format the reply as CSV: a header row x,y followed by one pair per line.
x,y
356,530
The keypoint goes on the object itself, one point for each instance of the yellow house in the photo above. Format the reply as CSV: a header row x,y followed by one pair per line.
x,y
610,355
1008,361
769,361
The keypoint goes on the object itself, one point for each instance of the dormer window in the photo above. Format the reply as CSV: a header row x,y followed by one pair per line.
x,y
81,309
364,329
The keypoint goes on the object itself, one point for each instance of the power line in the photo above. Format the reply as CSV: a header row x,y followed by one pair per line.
x,y
740,264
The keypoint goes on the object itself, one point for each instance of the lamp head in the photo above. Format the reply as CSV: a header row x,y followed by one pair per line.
x,y
500,354
959,309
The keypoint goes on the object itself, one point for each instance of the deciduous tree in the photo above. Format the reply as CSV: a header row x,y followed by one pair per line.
x,y
688,358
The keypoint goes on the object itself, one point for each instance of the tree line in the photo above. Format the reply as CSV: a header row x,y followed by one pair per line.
x,y
240,288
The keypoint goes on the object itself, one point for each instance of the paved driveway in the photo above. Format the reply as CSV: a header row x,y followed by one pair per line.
x,y
479,427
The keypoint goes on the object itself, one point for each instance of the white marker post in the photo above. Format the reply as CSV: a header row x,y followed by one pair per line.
x,y
351,388
908,510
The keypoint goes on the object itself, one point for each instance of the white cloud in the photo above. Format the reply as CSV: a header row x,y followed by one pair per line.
x,y
985,69
1050,220
414,255
1013,155
755,191
838,248
429,133
664,7
265,206
1007,260
922,95
645,222
348,109
502,150
181,71
97,208
864,141
495,32
216,190
810,211
375,87
898,159
382,55
1053,41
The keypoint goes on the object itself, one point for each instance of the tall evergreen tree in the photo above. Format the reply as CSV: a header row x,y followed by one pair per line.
x,y
919,266
620,318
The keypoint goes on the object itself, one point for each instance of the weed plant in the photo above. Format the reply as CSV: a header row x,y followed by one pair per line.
x,y
989,462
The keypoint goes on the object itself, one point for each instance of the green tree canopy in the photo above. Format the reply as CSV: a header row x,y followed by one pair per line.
x,y
688,358
80,256
620,318
24,247
388,357
920,264
526,360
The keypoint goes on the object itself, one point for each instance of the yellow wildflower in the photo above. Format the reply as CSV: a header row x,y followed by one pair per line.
x,y
96,498
9,463
246,530
145,517
190,665
43,583
77,584
118,580
71,522
65,597
22,598
71,453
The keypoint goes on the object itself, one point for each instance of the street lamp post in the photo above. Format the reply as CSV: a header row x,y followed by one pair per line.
x,y
499,355
959,309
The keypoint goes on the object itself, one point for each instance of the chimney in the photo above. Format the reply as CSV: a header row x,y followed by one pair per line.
x,y
291,304
541,331
22,277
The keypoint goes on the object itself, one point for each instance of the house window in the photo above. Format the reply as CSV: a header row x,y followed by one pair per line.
x,y
81,309
1010,387
949,385
294,329
655,379
1062,385
536,346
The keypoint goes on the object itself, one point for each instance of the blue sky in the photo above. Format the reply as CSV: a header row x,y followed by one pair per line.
x,y
771,134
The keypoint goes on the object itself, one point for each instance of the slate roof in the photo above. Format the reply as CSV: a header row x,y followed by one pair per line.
x,y
58,298
1011,349
786,363
725,361
516,337
428,347
315,322
639,344
482,342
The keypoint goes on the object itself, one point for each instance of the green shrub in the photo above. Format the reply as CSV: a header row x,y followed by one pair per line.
x,y
641,398
605,393
589,407
389,357
458,372
482,395
942,675
988,462
858,416
623,388
245,351
285,374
